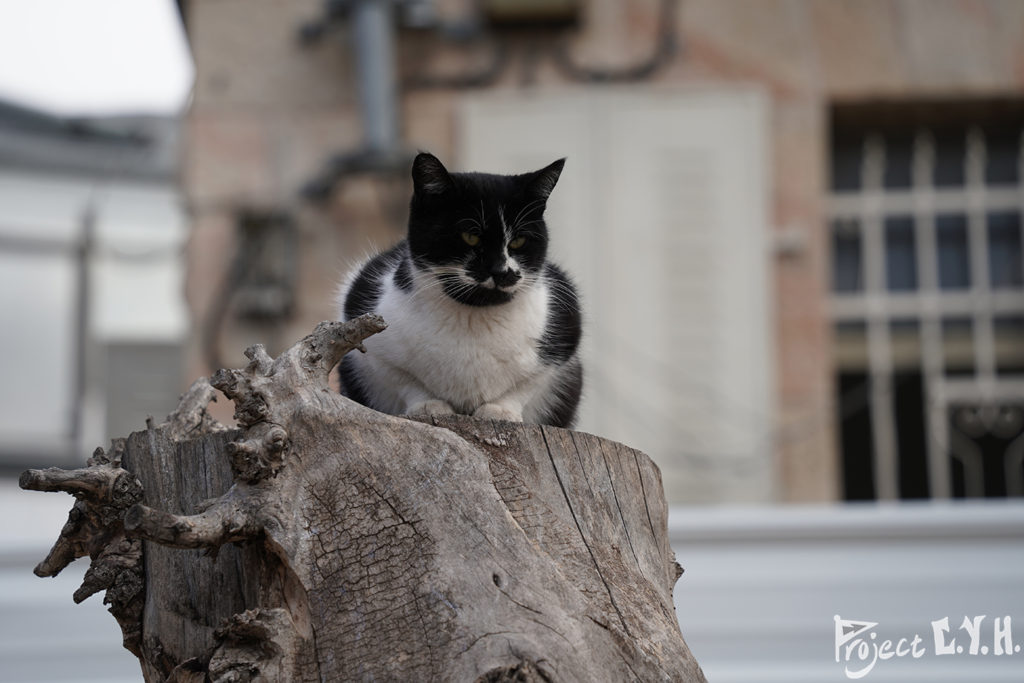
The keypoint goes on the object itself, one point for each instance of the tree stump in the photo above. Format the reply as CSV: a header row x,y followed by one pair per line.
x,y
323,541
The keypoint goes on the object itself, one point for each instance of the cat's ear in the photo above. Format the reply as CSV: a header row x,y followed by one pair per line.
x,y
429,176
541,183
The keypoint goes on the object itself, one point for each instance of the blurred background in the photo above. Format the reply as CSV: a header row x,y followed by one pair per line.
x,y
796,226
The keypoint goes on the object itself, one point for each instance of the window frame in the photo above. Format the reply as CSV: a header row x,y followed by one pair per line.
x,y
868,204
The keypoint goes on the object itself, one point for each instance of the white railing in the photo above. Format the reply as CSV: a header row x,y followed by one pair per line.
x,y
762,587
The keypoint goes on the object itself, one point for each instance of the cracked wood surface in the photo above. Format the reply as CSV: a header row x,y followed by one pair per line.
x,y
324,541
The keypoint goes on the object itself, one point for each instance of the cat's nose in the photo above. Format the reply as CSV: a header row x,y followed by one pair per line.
x,y
506,277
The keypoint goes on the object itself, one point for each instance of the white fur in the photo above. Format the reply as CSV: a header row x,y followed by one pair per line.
x,y
438,355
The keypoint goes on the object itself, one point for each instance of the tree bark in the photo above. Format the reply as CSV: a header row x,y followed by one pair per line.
x,y
323,541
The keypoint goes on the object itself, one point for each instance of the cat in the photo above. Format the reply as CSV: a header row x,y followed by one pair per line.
x,y
479,321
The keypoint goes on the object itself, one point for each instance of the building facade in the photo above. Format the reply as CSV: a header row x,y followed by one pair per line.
x,y
91,235
778,211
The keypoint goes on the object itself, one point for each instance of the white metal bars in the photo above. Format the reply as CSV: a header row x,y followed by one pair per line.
x,y
877,305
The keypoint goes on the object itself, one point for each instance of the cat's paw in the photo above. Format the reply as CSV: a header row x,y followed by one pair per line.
x,y
496,411
432,407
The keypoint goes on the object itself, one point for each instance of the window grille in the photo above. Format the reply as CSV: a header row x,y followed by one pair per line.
x,y
928,299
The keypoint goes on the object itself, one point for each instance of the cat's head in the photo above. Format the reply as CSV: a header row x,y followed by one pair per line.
x,y
482,236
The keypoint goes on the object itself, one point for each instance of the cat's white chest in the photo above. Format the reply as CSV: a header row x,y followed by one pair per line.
x,y
464,354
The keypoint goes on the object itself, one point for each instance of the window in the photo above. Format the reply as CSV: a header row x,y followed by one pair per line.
x,y
928,298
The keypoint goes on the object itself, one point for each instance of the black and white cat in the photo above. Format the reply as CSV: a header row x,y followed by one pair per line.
x,y
479,321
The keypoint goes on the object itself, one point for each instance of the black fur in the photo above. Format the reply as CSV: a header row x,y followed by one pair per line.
x,y
446,205
351,385
365,290
403,273
562,412
564,325
461,226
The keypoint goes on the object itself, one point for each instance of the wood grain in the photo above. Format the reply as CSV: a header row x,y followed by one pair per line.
x,y
327,542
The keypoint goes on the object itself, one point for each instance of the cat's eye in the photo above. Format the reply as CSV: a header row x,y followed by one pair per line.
x,y
517,243
470,239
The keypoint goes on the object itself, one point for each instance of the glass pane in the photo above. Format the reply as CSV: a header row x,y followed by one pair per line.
x,y
900,259
1002,150
905,339
958,345
1009,331
911,433
854,417
847,158
1004,249
950,153
847,266
898,155
954,257
851,345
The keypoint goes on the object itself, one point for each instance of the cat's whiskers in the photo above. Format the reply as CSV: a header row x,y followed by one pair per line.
x,y
427,284
527,207
564,298
473,223
483,216
524,229
443,281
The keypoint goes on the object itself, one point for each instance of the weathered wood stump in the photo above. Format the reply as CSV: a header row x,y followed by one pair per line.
x,y
324,541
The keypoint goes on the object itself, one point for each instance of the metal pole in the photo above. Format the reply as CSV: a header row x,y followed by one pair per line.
x,y
372,24
84,256
883,418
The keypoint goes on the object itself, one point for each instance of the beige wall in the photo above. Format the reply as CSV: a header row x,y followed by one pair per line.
x,y
267,113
